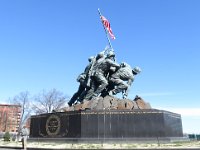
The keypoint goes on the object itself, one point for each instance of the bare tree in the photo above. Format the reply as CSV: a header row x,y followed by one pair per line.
x,y
46,102
23,100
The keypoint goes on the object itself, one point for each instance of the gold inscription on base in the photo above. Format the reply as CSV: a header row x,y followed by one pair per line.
x,y
53,125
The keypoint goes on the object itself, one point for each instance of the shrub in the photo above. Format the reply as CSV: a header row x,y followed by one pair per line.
x,y
6,136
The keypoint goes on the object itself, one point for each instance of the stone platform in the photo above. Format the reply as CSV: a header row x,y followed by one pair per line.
x,y
107,124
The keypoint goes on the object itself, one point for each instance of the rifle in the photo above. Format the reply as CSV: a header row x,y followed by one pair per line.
x,y
90,73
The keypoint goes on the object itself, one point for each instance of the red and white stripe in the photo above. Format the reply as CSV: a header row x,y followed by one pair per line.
x,y
107,26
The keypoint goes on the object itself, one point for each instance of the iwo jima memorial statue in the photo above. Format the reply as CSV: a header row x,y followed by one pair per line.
x,y
96,114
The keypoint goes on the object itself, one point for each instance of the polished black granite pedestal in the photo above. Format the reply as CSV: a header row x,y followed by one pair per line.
x,y
107,125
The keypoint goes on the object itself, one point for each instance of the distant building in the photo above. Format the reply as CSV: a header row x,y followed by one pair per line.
x,y
9,117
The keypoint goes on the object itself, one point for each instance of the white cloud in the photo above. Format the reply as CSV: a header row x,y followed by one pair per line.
x,y
185,111
4,102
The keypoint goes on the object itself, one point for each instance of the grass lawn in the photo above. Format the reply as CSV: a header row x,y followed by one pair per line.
x,y
63,145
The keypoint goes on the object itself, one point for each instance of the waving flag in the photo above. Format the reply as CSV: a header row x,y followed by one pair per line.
x,y
107,26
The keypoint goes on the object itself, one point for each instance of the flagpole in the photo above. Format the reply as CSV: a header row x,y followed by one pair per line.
x,y
106,31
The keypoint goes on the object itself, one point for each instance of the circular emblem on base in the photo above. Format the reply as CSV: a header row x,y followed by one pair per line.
x,y
53,125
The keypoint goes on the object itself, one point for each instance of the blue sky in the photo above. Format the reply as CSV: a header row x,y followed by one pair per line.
x,y
45,44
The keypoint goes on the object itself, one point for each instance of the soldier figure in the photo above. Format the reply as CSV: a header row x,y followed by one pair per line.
x,y
101,72
93,84
82,78
124,73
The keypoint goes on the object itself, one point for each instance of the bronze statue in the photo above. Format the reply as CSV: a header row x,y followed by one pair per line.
x,y
104,76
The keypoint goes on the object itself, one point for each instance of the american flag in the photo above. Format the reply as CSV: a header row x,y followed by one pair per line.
x,y
107,26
